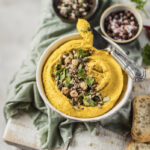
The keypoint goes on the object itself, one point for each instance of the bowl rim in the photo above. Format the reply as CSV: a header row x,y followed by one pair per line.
x,y
133,10
39,82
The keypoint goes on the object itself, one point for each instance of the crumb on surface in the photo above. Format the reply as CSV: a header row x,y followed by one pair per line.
x,y
97,133
142,86
111,142
91,144
135,88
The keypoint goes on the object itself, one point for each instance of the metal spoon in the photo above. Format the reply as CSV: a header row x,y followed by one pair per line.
x,y
137,73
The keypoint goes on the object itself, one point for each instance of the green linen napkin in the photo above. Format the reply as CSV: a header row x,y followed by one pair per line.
x,y
23,94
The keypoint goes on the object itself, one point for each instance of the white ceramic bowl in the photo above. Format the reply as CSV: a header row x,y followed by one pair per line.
x,y
41,64
119,7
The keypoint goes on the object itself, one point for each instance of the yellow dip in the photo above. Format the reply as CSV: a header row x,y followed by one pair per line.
x,y
102,66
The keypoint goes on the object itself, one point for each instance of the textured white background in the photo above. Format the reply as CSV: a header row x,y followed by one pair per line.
x,y
18,22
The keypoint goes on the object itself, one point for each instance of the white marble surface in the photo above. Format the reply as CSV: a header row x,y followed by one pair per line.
x,y
18,22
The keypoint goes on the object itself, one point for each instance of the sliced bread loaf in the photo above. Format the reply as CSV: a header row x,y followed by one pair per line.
x,y
141,118
138,146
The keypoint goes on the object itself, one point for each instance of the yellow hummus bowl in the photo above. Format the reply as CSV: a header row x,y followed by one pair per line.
x,y
127,85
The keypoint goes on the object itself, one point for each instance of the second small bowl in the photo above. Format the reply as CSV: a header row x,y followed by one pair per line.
x,y
121,7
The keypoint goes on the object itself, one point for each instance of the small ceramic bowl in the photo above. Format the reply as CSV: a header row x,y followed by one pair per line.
x,y
121,7
87,17
51,48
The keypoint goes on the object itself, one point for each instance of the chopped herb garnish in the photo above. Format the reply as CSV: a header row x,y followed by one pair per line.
x,y
89,81
81,2
86,103
140,5
57,66
62,77
73,80
67,82
58,72
91,103
146,54
81,73
81,53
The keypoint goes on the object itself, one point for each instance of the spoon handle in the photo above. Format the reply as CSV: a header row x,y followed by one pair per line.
x,y
67,144
137,73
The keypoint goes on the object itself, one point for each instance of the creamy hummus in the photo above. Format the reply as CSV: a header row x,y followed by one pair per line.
x,y
102,66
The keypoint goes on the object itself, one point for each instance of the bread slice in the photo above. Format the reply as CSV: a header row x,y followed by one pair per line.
x,y
138,146
141,118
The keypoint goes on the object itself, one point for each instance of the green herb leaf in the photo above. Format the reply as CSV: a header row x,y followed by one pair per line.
x,y
81,53
146,54
81,2
67,82
81,73
91,102
140,5
62,77
86,103
89,81
58,72
57,66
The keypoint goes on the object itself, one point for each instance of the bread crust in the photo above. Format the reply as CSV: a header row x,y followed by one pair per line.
x,y
129,145
143,137
132,145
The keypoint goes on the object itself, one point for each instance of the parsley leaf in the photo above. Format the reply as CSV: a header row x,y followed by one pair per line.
x,y
88,103
146,54
89,81
81,53
91,102
81,73
67,82
140,5
58,72
62,77
57,66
